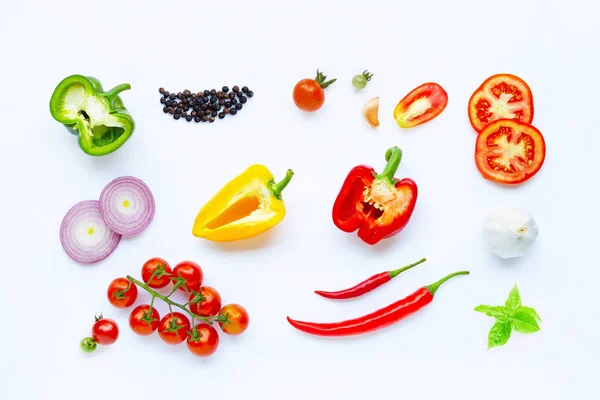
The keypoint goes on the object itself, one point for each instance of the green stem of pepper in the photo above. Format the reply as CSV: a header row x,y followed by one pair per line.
x,y
393,156
398,271
114,92
435,286
208,320
277,188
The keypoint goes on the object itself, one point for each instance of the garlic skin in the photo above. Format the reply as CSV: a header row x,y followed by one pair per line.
x,y
510,232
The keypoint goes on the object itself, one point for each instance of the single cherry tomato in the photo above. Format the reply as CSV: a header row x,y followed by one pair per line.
x,y
509,151
421,105
121,293
501,96
105,331
142,321
209,306
203,341
309,94
191,273
237,319
173,328
157,273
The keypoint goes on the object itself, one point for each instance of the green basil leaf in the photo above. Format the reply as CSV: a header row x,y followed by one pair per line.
x,y
529,311
497,312
514,300
499,334
523,322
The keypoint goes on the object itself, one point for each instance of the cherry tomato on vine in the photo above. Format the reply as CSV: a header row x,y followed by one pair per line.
x,y
173,328
157,273
209,306
509,151
121,293
105,331
191,273
501,96
142,321
203,341
237,319
309,95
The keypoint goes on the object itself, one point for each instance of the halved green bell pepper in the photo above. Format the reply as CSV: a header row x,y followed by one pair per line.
x,y
99,118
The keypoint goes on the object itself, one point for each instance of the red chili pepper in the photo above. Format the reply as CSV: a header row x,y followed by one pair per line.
x,y
368,284
378,205
377,319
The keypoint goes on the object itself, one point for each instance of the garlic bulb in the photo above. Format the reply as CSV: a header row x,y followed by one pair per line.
x,y
510,232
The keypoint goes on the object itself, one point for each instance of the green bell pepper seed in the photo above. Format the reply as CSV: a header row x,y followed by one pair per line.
x,y
99,118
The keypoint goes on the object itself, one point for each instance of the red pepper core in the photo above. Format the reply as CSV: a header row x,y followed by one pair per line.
x,y
378,319
368,284
378,205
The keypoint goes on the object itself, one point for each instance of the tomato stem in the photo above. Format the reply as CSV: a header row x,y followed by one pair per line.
x,y
320,79
170,303
88,344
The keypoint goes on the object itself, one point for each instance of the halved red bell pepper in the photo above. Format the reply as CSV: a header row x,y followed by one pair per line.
x,y
378,205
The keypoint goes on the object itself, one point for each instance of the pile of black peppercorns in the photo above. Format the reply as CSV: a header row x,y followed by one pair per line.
x,y
204,106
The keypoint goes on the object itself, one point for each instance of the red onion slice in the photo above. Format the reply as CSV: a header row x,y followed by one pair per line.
x,y
127,205
84,235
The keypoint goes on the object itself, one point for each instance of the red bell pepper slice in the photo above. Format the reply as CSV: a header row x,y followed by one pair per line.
x,y
377,205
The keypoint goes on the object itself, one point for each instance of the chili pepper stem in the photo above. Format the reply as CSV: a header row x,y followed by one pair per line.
x,y
277,188
398,271
435,286
393,156
114,92
170,303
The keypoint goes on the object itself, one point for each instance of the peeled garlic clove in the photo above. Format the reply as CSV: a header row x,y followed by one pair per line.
x,y
510,232
370,112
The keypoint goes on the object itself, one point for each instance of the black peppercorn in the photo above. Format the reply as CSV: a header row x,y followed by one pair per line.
x,y
213,100
197,119
166,94
213,92
204,119
194,96
189,118
220,95
226,110
250,93
161,90
196,108
186,92
180,95
186,108
227,103
240,95
236,88
190,102
162,100
172,96
243,99
206,92
165,109
216,107
205,99
222,102
231,95
233,111
245,89
238,106
234,101
211,119
168,103
194,113
184,114
221,115
213,113
171,110
225,89
198,101
176,116
204,107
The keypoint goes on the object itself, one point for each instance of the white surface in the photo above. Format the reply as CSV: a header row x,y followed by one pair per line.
x,y
49,302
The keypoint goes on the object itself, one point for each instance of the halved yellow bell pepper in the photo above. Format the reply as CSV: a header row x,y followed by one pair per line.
x,y
247,206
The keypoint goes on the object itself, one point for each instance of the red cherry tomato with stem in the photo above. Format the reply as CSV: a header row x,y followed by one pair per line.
x,y
210,303
121,293
188,276
156,273
309,95
203,341
142,321
237,319
173,328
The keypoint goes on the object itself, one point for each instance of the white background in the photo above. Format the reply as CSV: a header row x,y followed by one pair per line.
x,y
49,302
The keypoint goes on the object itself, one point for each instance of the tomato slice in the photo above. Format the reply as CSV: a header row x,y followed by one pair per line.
x,y
501,96
509,151
422,104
